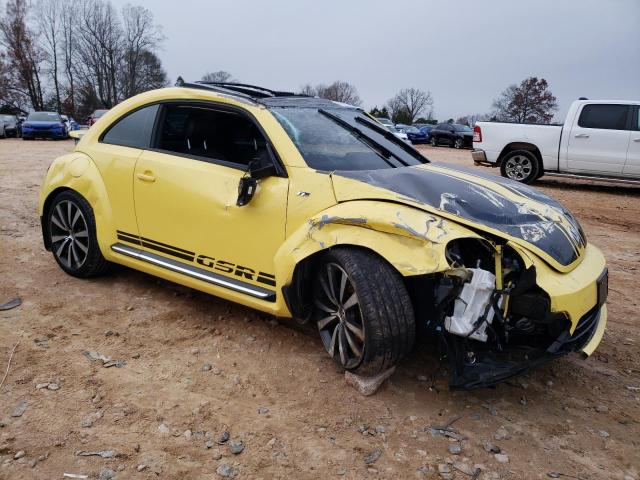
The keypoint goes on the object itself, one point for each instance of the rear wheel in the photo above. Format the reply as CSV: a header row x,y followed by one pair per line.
x,y
72,235
520,165
362,310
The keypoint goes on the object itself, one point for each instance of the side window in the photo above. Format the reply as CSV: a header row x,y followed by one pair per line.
x,y
637,119
603,116
211,134
132,130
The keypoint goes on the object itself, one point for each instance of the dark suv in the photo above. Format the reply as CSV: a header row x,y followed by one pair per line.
x,y
452,134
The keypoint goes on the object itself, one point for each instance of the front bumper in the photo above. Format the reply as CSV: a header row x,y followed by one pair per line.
x,y
43,134
496,367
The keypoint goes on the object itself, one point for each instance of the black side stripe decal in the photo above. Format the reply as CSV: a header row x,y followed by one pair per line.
x,y
158,246
127,237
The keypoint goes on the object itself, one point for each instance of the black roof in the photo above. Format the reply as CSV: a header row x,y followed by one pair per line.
x,y
302,102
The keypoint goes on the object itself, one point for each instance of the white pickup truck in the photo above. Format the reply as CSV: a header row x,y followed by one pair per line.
x,y
599,138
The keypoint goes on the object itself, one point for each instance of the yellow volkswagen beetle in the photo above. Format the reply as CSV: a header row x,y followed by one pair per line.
x,y
307,208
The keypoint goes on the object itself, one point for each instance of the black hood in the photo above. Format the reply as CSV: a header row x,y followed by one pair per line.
x,y
503,205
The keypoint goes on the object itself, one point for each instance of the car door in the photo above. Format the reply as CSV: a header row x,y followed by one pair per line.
x,y
632,165
599,140
186,189
115,154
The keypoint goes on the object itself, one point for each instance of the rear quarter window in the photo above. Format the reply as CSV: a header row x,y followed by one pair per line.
x,y
604,116
132,130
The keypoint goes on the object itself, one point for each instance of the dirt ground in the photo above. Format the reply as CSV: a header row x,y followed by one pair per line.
x,y
272,386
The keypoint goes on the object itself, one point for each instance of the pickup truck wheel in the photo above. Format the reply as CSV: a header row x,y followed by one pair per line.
x,y
71,227
362,310
520,165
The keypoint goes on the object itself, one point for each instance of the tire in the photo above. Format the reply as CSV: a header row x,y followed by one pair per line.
x,y
458,143
71,230
520,165
434,142
368,324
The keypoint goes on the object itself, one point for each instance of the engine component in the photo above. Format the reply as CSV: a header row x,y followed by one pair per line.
x,y
472,310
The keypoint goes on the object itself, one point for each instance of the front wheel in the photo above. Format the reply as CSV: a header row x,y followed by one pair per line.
x,y
458,143
434,142
520,165
362,310
71,228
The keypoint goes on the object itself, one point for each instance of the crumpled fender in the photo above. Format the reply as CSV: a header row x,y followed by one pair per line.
x,y
76,171
411,240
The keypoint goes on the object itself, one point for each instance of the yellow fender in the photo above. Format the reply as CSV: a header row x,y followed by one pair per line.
x,y
76,171
411,240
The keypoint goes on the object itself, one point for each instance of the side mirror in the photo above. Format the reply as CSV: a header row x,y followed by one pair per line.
x,y
246,190
249,182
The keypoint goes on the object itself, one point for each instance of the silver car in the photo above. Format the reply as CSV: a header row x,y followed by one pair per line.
x,y
8,126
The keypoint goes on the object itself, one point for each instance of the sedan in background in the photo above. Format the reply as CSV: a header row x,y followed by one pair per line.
x,y
93,118
70,123
453,134
398,133
44,125
385,121
9,126
415,134
425,128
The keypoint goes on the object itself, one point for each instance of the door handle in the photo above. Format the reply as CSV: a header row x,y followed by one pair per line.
x,y
636,139
146,177
582,135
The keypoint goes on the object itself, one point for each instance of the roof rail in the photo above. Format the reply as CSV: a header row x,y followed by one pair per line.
x,y
251,90
202,86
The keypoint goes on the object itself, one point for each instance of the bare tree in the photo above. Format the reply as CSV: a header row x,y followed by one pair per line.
x,y
340,91
49,25
100,46
474,118
309,90
397,111
529,102
410,103
141,37
24,58
150,73
220,76
68,25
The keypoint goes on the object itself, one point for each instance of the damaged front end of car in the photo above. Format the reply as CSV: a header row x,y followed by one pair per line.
x,y
493,319
521,287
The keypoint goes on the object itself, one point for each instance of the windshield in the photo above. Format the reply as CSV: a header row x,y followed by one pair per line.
x,y
344,139
7,118
462,128
43,117
411,130
99,113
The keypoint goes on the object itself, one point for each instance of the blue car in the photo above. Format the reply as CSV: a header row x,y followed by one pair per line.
x,y
414,134
44,125
425,128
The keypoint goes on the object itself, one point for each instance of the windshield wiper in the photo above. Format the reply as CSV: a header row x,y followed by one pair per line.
x,y
381,150
392,138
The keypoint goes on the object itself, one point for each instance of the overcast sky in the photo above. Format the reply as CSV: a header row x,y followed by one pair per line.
x,y
465,52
